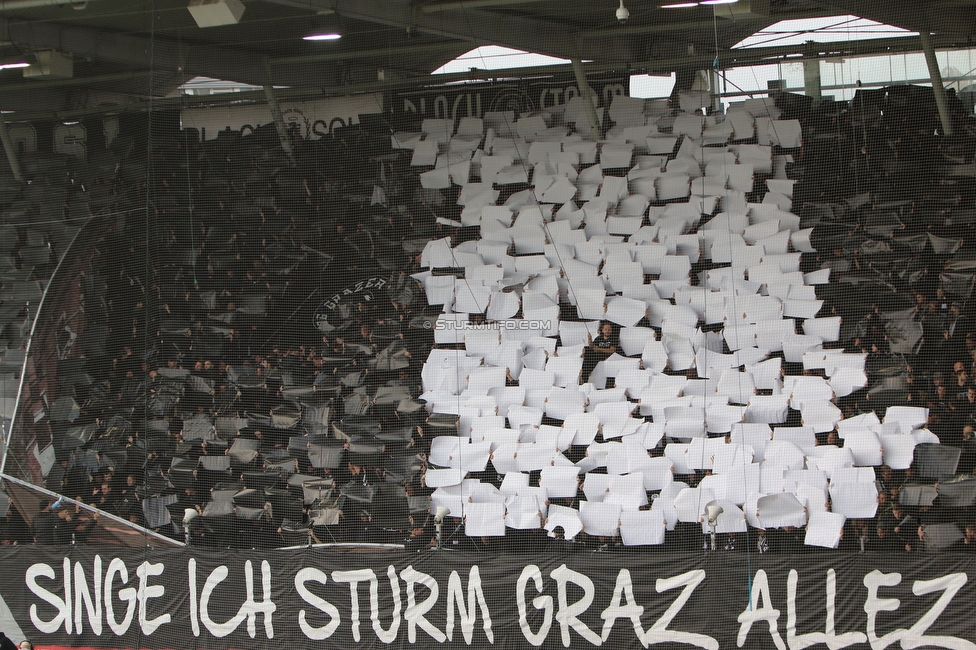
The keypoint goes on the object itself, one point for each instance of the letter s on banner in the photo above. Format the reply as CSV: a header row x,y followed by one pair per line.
x,y
324,606
63,616
532,572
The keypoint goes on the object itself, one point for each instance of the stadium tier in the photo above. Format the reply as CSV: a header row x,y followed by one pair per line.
x,y
498,347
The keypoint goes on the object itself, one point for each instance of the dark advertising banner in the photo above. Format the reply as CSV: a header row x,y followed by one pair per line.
x,y
523,96
109,598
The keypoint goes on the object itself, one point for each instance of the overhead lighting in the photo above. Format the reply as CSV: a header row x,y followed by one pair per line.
x,y
689,5
11,66
325,28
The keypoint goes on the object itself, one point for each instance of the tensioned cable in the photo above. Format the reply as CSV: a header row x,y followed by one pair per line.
x,y
150,178
189,184
735,312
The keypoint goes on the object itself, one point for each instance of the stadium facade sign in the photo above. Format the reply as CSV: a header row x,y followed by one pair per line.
x,y
524,96
83,597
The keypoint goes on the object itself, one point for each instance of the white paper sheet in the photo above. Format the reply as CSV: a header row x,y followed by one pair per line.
x,y
824,529
484,520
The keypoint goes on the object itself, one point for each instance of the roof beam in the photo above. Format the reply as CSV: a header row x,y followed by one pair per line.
x,y
957,18
659,27
163,55
438,7
20,5
348,55
665,65
777,53
477,27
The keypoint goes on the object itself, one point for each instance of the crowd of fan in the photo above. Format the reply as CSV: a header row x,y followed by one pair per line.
x,y
263,364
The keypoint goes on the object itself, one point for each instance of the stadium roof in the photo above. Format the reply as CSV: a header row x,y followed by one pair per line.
x,y
126,53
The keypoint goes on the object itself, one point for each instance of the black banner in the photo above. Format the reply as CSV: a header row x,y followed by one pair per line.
x,y
131,598
476,99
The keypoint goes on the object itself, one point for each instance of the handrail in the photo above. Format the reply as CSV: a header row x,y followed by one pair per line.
x,y
168,541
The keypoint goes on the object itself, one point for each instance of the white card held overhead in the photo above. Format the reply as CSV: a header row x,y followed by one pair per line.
x,y
825,529
616,155
908,417
625,312
732,519
898,450
561,190
424,153
601,519
662,144
568,519
484,520
560,482
854,500
642,528
781,510
436,478
627,111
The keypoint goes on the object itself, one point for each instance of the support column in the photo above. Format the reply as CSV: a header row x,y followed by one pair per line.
x,y
715,85
587,93
684,79
936,77
8,146
811,78
276,115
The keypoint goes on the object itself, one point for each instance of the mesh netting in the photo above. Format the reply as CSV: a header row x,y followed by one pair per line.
x,y
521,350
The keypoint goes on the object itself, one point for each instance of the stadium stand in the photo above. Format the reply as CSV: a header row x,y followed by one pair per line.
x,y
538,338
